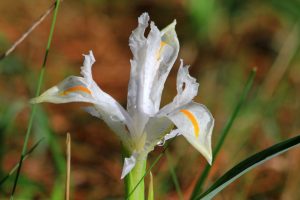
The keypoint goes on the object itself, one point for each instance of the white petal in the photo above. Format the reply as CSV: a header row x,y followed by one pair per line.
x,y
115,124
86,69
187,86
168,53
92,110
195,123
156,129
152,60
129,164
84,89
187,89
172,134
72,89
138,45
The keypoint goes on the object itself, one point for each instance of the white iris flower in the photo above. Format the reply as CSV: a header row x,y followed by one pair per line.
x,y
143,125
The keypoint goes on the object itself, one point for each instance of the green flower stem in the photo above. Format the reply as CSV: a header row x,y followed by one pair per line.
x,y
130,190
133,181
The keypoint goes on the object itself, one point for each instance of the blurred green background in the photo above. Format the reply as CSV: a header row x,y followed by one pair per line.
x,y
221,40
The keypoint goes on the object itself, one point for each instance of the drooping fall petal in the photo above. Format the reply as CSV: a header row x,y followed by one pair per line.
x,y
84,89
195,123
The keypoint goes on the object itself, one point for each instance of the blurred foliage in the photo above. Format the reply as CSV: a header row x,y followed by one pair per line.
x,y
221,40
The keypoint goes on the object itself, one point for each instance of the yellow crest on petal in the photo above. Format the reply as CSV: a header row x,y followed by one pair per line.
x,y
78,88
194,121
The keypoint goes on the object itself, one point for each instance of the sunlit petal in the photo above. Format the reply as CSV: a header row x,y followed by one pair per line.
x,y
153,58
72,89
84,89
187,89
86,69
144,126
129,164
156,129
167,54
172,134
195,123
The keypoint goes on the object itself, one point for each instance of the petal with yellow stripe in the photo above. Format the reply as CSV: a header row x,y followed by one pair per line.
x,y
84,89
72,89
77,88
195,123
193,120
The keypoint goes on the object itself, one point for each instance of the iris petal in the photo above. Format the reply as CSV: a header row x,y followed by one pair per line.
x,y
199,117
129,164
84,89
153,58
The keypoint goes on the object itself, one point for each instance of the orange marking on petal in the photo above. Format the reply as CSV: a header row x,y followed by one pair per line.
x,y
158,53
162,44
193,119
78,88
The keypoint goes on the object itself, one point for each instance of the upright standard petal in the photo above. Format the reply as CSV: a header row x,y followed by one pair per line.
x,y
84,89
152,61
195,123
167,54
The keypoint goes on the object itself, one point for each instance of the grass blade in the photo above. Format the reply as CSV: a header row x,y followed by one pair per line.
x,y
27,33
248,164
17,165
40,81
174,176
224,133
281,64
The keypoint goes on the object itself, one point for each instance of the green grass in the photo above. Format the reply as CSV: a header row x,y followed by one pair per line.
x,y
38,90
224,133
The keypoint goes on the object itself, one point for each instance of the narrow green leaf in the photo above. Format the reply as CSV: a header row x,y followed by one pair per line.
x,y
150,190
248,164
224,133
58,191
33,111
